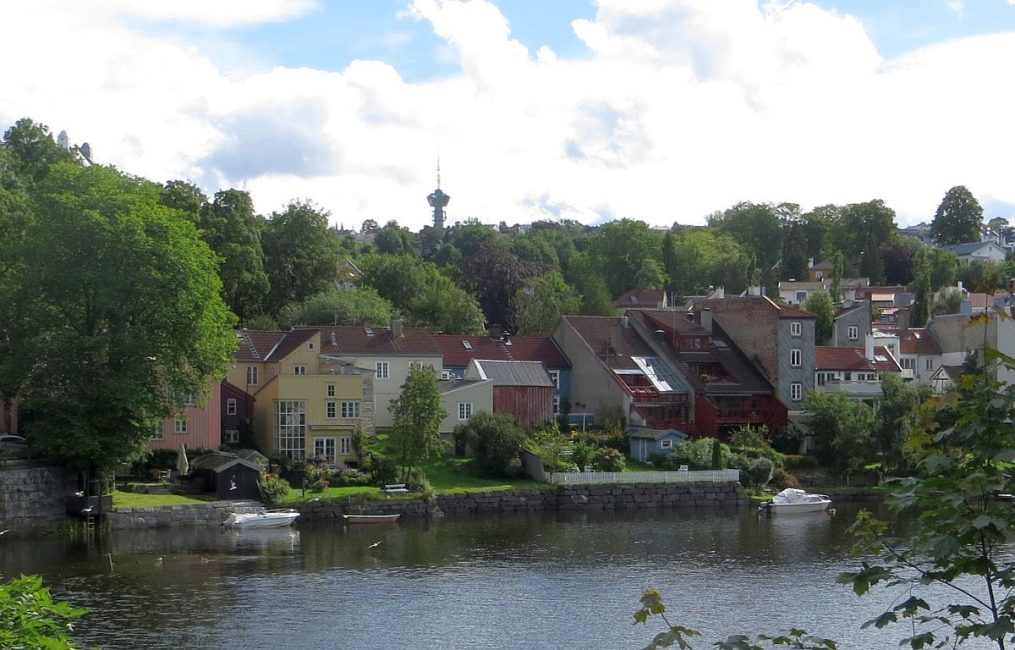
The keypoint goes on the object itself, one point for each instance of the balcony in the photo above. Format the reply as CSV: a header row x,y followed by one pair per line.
x,y
867,389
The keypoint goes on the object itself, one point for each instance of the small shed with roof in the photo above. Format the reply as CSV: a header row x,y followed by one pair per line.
x,y
645,442
521,388
227,475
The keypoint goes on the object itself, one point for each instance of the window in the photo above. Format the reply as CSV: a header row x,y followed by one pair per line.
x,y
329,390
350,409
801,296
310,346
382,369
847,376
324,449
445,375
796,391
852,332
795,357
180,426
157,430
464,410
907,363
556,404
330,409
929,364
795,328
231,435
299,370
290,428
555,378
666,444
188,398
251,375
231,406
821,379
345,445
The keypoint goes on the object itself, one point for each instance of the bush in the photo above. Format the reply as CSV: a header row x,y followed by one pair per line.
x,y
494,439
273,488
787,440
609,459
315,477
794,461
697,454
30,618
350,477
781,479
382,470
549,444
756,472
583,453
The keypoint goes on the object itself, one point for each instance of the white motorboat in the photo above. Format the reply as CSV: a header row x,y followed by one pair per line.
x,y
793,500
269,519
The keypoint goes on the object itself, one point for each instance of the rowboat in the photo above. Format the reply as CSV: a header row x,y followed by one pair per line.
x,y
371,519
270,519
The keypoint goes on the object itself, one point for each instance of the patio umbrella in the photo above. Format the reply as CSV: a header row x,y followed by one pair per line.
x,y
182,466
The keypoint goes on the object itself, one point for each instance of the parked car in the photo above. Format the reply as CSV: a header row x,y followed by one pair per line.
x,y
14,447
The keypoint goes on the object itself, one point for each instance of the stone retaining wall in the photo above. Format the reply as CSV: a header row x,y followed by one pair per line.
x,y
32,496
635,496
203,514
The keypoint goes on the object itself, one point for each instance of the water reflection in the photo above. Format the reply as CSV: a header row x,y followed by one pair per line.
x,y
536,580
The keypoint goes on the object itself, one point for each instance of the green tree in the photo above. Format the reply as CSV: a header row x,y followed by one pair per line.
x,y
185,197
232,230
30,618
393,239
670,262
794,253
944,267
709,257
339,306
34,149
124,308
418,413
756,227
922,292
16,215
843,430
300,254
964,453
958,218
541,303
494,275
494,439
838,268
621,249
820,304
896,419
870,263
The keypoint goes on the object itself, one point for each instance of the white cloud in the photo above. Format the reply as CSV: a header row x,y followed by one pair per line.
x,y
218,13
682,107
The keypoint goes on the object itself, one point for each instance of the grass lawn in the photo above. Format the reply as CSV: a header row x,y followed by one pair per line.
x,y
138,500
450,475
296,495
635,466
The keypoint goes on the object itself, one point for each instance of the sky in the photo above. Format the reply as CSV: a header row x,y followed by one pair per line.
x,y
659,110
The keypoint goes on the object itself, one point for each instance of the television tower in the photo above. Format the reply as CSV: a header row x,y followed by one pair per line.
x,y
438,200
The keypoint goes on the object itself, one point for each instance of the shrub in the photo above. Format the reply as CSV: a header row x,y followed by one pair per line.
x,y
315,477
609,459
749,437
494,439
757,472
583,453
781,479
787,440
30,618
548,444
274,488
697,454
794,461
382,470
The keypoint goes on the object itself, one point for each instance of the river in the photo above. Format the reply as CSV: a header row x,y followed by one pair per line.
x,y
543,580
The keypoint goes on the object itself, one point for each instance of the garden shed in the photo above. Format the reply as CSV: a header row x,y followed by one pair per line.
x,y
645,442
227,475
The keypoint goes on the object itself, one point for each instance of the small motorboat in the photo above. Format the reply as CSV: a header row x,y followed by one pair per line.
x,y
371,519
269,519
793,500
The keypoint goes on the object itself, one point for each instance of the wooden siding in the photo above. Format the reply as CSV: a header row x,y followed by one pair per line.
x,y
204,425
530,405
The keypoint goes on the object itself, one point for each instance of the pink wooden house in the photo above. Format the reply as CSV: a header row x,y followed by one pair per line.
x,y
197,425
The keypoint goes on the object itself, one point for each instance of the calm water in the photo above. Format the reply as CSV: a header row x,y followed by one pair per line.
x,y
520,581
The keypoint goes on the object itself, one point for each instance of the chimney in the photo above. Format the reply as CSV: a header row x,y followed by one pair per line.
x,y
850,294
396,328
705,319
869,347
494,332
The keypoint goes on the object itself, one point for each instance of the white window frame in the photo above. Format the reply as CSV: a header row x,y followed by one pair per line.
x,y
556,404
291,428
345,445
555,378
324,450
231,435
796,391
666,444
329,390
796,357
382,370
252,375
231,406
464,410
180,426
331,409
350,410
299,370
852,332
795,328
929,365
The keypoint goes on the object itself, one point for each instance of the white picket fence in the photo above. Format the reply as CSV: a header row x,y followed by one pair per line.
x,y
596,478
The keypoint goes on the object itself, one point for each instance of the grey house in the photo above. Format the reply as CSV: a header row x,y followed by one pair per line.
x,y
645,442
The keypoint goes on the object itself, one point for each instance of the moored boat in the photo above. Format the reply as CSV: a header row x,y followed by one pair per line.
x,y
793,500
269,519
371,519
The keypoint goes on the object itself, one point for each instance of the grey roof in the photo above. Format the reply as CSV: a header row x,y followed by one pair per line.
x,y
219,462
515,373
968,248
450,385
656,434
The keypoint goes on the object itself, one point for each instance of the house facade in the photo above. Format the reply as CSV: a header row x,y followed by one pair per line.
x,y
919,354
197,424
981,251
852,324
522,389
464,398
237,412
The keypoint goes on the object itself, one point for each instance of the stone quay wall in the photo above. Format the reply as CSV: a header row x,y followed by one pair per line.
x,y
635,496
212,514
32,496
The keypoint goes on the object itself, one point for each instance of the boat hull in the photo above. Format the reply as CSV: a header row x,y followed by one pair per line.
x,y
263,519
371,519
816,506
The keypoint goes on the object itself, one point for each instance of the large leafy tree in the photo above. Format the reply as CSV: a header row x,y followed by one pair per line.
x,y
843,430
858,226
16,215
541,303
794,253
711,258
300,254
820,304
757,227
125,312
418,413
339,306
185,197
621,250
34,149
232,230
493,274
896,420
922,292
958,218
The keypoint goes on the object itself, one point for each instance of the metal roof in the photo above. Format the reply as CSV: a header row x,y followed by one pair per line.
x,y
514,373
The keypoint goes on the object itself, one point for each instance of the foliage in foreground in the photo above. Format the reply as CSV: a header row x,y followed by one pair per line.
x,y
680,636
30,618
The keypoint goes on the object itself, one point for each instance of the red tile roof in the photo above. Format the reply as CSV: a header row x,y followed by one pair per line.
x,y
641,298
613,344
919,341
515,348
265,346
832,358
377,341
884,361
